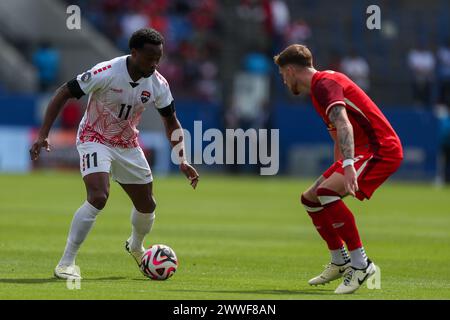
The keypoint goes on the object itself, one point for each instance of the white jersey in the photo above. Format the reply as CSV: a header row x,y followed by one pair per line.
x,y
116,103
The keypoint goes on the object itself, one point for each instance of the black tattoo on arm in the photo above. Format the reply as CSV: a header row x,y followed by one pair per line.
x,y
338,116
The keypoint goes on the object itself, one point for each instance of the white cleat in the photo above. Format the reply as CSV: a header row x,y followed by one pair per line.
x,y
67,272
137,255
354,278
332,272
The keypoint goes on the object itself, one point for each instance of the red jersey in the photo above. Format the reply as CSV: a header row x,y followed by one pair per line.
x,y
372,131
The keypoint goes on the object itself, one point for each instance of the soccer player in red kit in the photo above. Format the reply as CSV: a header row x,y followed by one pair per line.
x,y
366,150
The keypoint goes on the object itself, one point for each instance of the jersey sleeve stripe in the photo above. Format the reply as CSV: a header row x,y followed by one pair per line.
x,y
352,105
333,104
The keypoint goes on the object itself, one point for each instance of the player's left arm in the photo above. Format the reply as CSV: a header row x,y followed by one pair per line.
x,y
345,139
172,124
336,148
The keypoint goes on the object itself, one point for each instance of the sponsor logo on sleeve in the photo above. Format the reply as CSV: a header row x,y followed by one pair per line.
x,y
86,76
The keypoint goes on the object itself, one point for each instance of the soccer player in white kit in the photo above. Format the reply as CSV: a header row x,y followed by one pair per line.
x,y
119,91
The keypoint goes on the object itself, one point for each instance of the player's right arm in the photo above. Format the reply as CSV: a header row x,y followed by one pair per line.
x,y
85,83
57,102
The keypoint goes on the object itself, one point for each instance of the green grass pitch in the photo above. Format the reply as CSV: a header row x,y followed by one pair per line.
x,y
236,238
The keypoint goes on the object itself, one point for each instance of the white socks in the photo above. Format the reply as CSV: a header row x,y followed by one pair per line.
x,y
82,223
84,219
359,258
339,256
141,225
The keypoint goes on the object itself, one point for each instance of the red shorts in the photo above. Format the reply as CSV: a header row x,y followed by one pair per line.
x,y
372,170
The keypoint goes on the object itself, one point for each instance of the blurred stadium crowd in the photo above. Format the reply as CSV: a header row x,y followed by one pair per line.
x,y
191,31
198,33
220,52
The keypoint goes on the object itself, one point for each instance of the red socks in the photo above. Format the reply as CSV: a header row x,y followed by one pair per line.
x,y
333,220
323,223
342,219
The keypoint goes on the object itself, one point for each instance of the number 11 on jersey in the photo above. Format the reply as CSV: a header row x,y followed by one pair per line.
x,y
122,109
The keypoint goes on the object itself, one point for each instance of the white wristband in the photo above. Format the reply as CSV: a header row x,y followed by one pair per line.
x,y
348,162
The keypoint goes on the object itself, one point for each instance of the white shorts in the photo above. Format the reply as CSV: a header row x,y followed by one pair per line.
x,y
126,165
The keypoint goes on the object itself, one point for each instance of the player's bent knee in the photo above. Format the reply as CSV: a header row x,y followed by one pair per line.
x,y
308,196
148,207
98,199
310,205
327,196
151,207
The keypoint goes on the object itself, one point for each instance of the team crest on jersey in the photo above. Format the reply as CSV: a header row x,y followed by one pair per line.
x,y
86,76
145,96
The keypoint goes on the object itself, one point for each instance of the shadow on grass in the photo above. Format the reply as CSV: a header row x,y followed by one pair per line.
x,y
312,291
266,291
54,280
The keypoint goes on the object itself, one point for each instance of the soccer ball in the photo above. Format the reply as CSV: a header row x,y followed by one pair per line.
x,y
159,262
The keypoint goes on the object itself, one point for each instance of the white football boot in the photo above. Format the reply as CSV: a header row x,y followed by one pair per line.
x,y
354,278
67,272
137,255
332,272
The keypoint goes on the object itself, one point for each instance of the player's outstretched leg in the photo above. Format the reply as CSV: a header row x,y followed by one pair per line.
x,y
340,260
97,186
142,217
82,223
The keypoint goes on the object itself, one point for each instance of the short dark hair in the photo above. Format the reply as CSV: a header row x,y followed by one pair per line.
x,y
145,35
294,54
